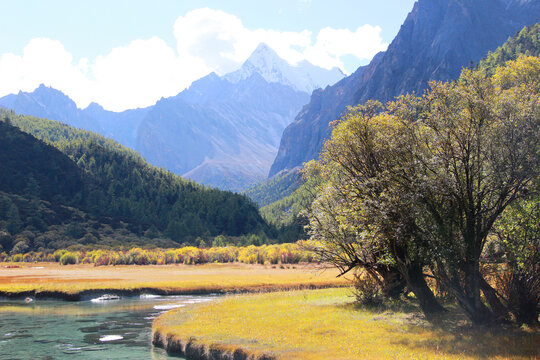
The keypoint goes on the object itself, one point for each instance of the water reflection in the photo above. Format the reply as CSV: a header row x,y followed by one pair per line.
x,y
119,329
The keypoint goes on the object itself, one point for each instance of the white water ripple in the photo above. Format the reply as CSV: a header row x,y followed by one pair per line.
x,y
110,338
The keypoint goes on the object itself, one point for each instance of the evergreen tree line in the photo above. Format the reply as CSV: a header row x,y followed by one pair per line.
x,y
110,184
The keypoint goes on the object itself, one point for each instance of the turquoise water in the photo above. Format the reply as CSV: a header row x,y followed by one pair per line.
x,y
114,329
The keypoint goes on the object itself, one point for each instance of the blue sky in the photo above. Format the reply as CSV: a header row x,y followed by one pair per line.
x,y
94,50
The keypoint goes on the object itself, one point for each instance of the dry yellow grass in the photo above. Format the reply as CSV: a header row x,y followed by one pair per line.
x,y
73,279
323,324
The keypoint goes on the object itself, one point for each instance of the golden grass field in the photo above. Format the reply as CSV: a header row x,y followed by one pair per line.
x,y
324,324
73,279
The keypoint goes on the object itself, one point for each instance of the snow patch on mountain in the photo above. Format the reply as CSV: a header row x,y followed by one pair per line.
x,y
304,76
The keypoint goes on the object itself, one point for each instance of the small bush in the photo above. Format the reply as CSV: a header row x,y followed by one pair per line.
x,y
58,254
68,259
17,258
367,289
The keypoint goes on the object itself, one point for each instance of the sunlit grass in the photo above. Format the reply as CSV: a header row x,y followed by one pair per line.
x,y
324,324
73,279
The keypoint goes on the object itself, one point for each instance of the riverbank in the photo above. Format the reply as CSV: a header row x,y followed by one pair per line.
x,y
325,324
84,281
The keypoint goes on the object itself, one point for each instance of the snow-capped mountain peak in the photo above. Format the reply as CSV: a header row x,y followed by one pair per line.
x,y
304,76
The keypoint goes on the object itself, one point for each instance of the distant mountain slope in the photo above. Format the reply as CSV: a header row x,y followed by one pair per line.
x,y
304,77
119,126
229,140
107,181
222,131
49,103
437,39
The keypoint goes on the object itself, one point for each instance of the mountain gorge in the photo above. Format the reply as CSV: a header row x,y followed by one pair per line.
x,y
221,131
437,39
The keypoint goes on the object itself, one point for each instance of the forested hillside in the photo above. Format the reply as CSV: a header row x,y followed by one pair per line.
x,y
526,42
106,182
34,169
276,188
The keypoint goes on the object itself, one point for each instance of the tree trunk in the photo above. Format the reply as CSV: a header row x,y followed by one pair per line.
x,y
394,283
523,300
413,273
471,302
426,298
493,300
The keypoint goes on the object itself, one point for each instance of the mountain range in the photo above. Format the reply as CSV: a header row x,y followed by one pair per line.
x,y
223,131
437,39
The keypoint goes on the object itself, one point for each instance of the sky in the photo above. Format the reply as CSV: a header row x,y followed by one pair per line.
x,y
126,54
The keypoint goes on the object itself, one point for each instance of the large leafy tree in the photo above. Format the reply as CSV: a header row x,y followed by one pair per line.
x,y
363,212
476,146
425,180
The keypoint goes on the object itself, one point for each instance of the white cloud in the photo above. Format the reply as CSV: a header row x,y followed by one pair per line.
x,y
141,72
332,44
221,41
43,61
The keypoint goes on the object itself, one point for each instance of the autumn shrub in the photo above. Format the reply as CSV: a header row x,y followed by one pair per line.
x,y
271,254
171,257
189,255
367,289
249,255
69,259
222,254
17,258
29,257
58,254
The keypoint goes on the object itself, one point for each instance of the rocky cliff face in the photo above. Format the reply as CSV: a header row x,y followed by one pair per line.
x,y
437,39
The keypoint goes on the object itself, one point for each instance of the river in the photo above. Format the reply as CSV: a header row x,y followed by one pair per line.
x,y
111,329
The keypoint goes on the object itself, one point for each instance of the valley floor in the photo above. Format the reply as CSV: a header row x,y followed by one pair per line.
x,y
325,324
73,282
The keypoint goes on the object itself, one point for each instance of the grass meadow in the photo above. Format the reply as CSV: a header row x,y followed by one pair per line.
x,y
233,277
325,324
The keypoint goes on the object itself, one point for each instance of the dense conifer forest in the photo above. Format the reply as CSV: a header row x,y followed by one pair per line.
x,y
46,164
